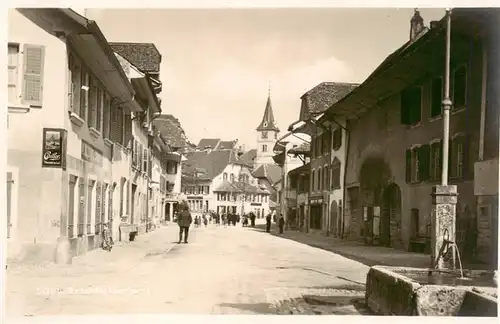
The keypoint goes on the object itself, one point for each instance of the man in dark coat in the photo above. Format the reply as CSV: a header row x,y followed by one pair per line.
x,y
252,219
268,223
184,221
281,223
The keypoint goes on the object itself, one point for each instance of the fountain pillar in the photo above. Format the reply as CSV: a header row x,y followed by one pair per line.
x,y
443,225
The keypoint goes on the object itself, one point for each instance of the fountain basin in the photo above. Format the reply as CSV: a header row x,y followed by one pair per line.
x,y
403,291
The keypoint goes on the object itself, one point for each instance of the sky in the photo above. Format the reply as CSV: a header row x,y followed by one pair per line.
x,y
219,64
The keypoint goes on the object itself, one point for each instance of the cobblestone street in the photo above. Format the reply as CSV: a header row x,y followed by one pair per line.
x,y
230,270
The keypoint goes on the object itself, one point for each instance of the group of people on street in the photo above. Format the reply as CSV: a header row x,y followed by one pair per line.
x,y
281,223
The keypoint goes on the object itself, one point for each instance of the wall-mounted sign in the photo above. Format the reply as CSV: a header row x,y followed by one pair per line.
x,y
255,204
54,148
90,154
317,201
194,197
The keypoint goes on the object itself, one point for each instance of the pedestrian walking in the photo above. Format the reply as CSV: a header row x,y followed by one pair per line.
x,y
107,241
252,219
184,221
268,223
281,223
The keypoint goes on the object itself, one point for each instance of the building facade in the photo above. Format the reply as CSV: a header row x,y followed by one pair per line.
x,y
70,150
61,107
395,147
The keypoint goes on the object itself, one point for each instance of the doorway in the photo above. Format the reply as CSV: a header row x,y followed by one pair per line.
x,y
333,218
390,220
167,212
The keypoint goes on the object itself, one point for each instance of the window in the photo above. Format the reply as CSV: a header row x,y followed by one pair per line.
x,y
231,177
459,88
31,67
93,94
171,167
337,139
436,96
411,106
84,93
106,115
99,109
13,70
320,179
264,148
313,180
224,176
435,161
457,157
336,174
264,135
326,178
417,164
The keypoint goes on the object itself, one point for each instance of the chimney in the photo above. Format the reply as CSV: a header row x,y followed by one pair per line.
x,y
416,25
434,24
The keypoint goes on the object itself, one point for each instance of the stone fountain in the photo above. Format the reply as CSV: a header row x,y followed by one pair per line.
x,y
441,289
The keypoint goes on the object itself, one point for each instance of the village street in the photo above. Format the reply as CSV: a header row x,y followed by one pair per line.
x,y
221,270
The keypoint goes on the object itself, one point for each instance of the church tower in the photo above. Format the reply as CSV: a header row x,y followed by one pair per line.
x,y
267,134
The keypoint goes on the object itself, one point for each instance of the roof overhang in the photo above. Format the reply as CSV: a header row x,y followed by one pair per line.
x,y
407,66
145,90
89,42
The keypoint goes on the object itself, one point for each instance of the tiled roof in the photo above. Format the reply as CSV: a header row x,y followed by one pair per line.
x,y
249,156
144,56
204,142
171,130
227,186
270,172
325,94
226,145
212,164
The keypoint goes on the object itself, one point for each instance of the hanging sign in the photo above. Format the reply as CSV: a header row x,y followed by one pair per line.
x,y
54,148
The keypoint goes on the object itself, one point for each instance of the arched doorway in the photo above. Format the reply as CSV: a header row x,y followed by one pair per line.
x,y
390,220
333,218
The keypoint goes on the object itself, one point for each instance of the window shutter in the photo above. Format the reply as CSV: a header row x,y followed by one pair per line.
x,y
424,162
34,58
128,131
436,97
408,166
405,108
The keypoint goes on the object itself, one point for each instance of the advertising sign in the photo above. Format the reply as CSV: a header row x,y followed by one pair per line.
x,y
54,148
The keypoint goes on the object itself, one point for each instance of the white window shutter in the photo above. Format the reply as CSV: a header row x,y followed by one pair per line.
x,y
34,58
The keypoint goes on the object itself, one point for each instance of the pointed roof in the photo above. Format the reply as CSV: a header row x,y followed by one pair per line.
x,y
271,172
268,123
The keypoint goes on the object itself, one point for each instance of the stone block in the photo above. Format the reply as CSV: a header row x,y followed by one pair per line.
x,y
444,194
390,292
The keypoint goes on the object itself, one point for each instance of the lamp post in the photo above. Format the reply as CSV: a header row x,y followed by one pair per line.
x,y
444,196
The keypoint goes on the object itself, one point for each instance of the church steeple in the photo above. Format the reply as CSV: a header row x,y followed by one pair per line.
x,y
268,123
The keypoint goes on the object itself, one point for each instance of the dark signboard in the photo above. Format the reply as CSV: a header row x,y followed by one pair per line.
x,y
54,148
255,204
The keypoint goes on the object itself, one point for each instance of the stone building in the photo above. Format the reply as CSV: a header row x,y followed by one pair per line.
x,y
327,156
395,133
